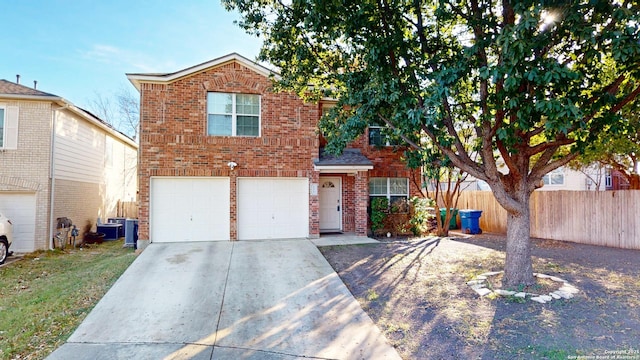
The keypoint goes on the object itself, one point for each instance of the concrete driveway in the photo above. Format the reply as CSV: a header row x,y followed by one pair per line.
x,y
276,299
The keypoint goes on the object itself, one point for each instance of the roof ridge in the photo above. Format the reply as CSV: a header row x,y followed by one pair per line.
x,y
137,78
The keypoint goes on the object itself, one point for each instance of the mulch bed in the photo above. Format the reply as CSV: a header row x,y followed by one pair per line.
x,y
415,290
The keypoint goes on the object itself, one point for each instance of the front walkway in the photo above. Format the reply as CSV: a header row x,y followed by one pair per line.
x,y
342,239
276,299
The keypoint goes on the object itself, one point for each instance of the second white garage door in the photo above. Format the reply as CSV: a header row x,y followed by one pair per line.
x,y
273,208
189,209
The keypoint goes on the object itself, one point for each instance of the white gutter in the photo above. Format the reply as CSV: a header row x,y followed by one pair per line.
x,y
32,97
346,169
52,191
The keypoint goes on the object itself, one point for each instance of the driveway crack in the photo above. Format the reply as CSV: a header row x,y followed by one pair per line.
x,y
224,293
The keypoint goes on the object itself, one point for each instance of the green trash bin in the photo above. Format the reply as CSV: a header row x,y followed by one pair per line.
x,y
453,223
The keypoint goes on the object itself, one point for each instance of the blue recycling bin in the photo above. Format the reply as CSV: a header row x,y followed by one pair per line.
x,y
470,221
130,232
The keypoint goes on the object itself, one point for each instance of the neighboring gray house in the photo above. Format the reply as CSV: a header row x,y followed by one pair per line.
x,y
57,160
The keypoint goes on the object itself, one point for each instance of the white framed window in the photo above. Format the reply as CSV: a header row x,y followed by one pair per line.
x,y
556,177
396,190
233,114
2,127
379,137
608,179
8,127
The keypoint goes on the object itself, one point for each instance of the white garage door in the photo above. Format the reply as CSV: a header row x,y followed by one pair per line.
x,y
273,208
189,209
21,210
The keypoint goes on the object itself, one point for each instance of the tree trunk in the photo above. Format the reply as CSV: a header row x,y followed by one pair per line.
x,y
443,224
518,268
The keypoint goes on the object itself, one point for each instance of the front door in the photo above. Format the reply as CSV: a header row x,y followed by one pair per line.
x,y
330,204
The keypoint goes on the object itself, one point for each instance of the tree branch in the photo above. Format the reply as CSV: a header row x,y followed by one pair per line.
x,y
504,153
539,172
402,135
464,164
627,99
536,131
546,145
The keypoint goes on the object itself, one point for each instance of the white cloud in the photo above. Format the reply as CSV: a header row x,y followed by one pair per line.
x,y
131,61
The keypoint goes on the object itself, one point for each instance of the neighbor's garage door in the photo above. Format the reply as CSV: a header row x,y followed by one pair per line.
x,y
273,208
20,208
189,209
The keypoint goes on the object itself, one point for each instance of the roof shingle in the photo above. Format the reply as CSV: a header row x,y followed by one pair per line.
x,y
11,88
349,157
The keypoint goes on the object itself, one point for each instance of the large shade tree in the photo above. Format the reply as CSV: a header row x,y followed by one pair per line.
x,y
528,77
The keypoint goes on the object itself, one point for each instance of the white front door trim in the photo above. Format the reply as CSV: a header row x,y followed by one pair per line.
x,y
330,199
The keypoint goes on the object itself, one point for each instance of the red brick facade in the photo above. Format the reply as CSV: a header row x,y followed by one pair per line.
x,y
174,142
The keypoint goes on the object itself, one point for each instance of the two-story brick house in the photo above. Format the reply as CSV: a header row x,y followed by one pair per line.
x,y
223,157
58,160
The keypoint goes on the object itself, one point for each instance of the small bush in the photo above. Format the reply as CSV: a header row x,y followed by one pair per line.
x,y
379,209
420,215
414,216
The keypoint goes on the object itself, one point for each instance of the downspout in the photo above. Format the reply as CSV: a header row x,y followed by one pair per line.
x,y
52,169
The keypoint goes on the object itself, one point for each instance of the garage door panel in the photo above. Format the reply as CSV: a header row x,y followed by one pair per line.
x,y
273,208
190,209
21,209
167,200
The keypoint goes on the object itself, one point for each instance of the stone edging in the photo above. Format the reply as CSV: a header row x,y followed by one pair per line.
x,y
567,291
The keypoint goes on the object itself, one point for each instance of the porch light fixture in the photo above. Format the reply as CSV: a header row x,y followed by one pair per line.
x,y
232,165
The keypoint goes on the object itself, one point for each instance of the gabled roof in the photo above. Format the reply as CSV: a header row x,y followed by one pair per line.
x,y
138,78
13,90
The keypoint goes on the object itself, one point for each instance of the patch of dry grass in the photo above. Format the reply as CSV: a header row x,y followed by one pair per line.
x,y
46,295
427,311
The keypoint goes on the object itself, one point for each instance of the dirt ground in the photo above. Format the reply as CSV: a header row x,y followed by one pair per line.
x,y
416,292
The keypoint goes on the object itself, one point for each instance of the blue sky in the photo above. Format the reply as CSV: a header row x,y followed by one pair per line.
x,y
77,48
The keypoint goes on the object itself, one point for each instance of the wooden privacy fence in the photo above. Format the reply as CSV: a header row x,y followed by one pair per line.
x,y
605,218
128,209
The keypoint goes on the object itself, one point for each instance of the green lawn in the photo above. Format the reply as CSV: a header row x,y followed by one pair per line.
x,y
46,295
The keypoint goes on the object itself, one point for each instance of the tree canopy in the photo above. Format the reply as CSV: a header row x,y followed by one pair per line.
x,y
529,78
619,151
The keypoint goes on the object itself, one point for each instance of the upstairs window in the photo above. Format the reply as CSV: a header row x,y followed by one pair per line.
x,y
233,114
556,177
379,136
8,127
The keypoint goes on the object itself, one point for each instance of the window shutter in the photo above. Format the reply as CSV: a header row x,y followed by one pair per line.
x,y
11,128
